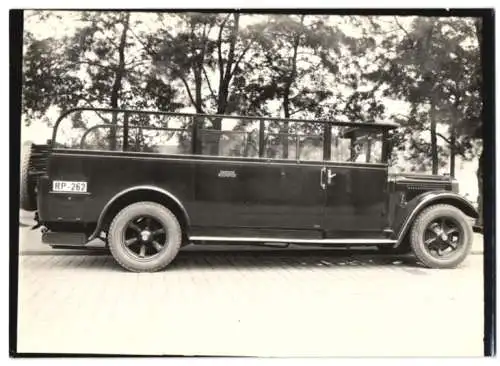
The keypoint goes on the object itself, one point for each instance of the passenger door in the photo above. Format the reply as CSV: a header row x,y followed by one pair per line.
x,y
257,197
355,191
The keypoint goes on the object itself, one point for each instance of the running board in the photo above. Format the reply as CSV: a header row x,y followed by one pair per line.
x,y
295,241
76,240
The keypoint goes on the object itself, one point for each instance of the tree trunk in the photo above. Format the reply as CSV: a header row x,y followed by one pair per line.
x,y
198,85
478,24
480,188
430,86
117,84
285,127
453,134
286,94
453,140
434,151
368,150
225,81
480,221
227,73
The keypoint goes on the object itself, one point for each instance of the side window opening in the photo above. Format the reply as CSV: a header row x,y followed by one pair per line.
x,y
364,145
159,134
106,131
294,141
229,137
91,130
181,134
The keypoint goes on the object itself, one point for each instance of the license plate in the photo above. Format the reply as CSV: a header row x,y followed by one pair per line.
x,y
69,186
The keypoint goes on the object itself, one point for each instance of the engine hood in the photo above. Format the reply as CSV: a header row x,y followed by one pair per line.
x,y
415,184
414,177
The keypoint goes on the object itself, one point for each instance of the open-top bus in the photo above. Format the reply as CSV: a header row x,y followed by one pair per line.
x,y
147,183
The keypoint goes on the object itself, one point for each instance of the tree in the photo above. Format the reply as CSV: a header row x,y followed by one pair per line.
x,y
196,49
99,65
294,66
435,67
433,70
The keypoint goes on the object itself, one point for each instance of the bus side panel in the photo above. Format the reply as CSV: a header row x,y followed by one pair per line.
x,y
107,175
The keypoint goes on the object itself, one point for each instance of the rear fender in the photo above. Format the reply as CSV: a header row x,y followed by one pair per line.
x,y
140,193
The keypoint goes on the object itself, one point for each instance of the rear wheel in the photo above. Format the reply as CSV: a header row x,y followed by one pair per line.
x,y
144,237
441,237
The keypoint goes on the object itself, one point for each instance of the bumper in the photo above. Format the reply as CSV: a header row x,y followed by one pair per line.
x,y
477,229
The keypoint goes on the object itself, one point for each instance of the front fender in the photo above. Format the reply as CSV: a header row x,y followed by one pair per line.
x,y
407,215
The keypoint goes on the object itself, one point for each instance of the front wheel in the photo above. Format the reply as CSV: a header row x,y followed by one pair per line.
x,y
144,237
441,237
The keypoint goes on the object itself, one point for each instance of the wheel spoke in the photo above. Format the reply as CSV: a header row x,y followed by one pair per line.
x,y
431,228
452,230
130,241
134,227
157,246
158,232
443,225
430,240
142,252
148,223
451,244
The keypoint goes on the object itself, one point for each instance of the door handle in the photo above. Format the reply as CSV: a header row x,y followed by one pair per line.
x,y
330,176
321,175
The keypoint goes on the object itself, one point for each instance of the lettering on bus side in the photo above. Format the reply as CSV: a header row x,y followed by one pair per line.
x,y
227,174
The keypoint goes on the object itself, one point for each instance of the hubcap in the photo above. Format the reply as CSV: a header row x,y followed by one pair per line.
x,y
443,237
145,235
144,238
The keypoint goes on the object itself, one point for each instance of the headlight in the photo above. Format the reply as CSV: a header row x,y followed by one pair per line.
x,y
454,186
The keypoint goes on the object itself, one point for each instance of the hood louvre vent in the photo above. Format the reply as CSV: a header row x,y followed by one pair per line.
x,y
420,187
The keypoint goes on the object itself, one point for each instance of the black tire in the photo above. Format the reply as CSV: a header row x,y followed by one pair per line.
x,y
27,187
423,226
125,254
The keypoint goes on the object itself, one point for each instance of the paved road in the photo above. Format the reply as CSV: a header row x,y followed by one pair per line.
x,y
248,303
30,243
